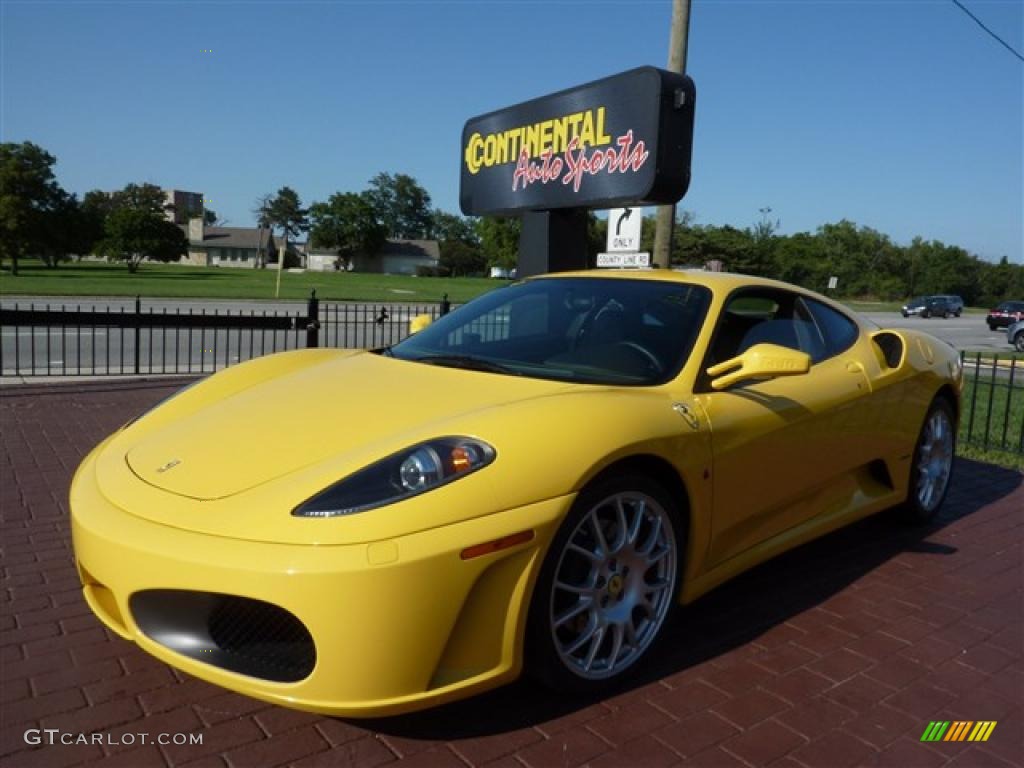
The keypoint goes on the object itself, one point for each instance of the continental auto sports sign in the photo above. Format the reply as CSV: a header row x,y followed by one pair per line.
x,y
624,139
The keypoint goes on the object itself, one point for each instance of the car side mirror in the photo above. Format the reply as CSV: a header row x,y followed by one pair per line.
x,y
761,361
418,323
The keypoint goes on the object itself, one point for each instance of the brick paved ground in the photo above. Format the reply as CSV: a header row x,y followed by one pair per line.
x,y
837,654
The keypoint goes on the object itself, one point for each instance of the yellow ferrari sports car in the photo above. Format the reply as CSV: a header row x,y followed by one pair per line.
x,y
534,481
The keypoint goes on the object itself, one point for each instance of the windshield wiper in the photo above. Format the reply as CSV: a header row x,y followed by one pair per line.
x,y
468,362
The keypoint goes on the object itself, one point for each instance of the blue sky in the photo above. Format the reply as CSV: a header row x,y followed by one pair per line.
x,y
903,116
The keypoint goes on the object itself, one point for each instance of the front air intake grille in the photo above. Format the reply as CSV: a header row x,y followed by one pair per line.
x,y
262,635
251,637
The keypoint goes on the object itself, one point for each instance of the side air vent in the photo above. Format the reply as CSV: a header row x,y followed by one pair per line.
x,y
891,346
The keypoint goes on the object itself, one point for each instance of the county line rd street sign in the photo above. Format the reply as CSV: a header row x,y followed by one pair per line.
x,y
624,226
624,260
626,139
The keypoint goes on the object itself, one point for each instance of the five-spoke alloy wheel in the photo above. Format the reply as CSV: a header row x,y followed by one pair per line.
x,y
608,584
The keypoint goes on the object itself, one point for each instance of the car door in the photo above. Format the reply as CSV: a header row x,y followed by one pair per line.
x,y
779,444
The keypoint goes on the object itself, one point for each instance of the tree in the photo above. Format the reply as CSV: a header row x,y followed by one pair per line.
x,y
209,217
347,224
65,232
402,206
459,243
285,212
461,259
133,234
29,192
142,197
499,240
261,210
451,226
96,206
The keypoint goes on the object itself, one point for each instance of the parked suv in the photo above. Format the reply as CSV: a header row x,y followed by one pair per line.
x,y
1015,335
1007,313
926,306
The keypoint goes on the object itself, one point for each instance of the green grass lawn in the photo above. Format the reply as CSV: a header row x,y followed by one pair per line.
x,y
990,415
90,278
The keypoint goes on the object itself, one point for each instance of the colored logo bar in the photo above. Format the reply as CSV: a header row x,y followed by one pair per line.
x,y
958,730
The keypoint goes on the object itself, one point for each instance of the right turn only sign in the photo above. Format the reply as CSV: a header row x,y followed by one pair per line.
x,y
624,225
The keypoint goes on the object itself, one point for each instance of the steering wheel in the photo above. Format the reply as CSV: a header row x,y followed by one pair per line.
x,y
648,356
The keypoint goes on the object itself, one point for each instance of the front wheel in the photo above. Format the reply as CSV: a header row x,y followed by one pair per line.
x,y
1018,342
932,463
607,586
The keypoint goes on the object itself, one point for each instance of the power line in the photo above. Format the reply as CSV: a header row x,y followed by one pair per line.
x,y
981,24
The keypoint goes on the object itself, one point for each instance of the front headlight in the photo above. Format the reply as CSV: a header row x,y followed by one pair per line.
x,y
407,473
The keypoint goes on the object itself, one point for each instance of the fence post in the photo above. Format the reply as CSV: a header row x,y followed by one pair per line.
x,y
138,331
446,306
313,321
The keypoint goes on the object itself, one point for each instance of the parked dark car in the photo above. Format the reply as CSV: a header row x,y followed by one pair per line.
x,y
928,306
1015,335
956,304
1007,313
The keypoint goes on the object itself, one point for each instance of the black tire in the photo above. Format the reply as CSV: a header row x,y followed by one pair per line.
x,y
925,313
602,602
991,326
957,313
1018,341
922,503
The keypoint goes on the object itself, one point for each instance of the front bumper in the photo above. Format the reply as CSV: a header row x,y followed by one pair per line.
x,y
397,625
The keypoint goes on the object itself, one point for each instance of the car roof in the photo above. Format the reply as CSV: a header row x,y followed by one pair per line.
x,y
721,283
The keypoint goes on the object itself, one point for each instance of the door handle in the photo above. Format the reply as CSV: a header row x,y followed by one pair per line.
x,y
688,415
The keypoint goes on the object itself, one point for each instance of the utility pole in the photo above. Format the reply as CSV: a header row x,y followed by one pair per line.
x,y
666,214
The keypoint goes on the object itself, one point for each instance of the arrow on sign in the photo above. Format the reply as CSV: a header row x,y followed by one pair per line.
x,y
618,225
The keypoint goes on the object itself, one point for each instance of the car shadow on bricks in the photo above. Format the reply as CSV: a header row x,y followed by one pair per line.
x,y
818,596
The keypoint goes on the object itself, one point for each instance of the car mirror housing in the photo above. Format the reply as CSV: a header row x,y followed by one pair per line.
x,y
761,361
419,322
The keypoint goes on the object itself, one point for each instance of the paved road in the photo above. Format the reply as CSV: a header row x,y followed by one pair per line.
x,y
839,653
966,332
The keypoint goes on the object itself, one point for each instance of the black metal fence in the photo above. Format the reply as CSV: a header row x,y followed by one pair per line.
x,y
992,410
67,340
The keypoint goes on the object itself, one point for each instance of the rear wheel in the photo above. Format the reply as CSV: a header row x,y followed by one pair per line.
x,y
607,586
1018,341
932,463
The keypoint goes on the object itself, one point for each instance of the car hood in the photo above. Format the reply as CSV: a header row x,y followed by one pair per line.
x,y
358,407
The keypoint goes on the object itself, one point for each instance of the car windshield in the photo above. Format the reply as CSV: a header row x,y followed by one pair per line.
x,y
589,330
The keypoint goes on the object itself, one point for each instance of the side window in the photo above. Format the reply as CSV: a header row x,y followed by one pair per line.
x,y
839,331
740,316
768,316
